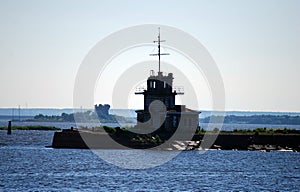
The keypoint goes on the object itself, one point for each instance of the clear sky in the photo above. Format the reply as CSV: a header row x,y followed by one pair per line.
x,y
255,43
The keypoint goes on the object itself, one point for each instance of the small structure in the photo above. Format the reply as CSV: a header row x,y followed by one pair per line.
x,y
102,111
160,110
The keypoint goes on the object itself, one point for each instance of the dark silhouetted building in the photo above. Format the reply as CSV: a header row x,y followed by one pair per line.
x,y
102,110
160,110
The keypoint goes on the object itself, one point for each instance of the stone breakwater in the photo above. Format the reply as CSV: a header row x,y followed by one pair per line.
x,y
243,141
224,141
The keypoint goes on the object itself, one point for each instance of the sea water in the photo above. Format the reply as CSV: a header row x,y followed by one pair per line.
x,y
27,165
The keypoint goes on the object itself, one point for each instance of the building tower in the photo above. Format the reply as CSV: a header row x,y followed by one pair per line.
x,y
160,110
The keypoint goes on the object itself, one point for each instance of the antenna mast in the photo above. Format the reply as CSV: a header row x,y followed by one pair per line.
x,y
159,54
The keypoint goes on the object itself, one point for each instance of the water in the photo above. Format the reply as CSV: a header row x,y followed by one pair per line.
x,y
26,165
6,115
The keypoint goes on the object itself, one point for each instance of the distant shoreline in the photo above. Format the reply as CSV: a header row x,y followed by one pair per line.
x,y
32,127
228,119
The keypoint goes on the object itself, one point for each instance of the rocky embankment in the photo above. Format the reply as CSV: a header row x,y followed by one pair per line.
x,y
252,141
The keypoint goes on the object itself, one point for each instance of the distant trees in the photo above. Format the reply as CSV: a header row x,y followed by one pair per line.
x,y
88,116
31,127
62,117
260,119
268,131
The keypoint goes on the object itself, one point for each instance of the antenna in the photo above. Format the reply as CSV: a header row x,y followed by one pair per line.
x,y
159,54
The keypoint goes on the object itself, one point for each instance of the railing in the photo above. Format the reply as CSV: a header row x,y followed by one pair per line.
x,y
140,89
179,90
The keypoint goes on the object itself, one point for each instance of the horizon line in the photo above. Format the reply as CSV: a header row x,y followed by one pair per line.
x,y
204,110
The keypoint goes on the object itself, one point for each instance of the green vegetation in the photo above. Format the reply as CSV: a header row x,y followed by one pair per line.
x,y
110,130
31,127
200,130
216,130
147,139
59,118
268,131
88,116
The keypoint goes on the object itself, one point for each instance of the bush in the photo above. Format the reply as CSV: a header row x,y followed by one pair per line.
x,y
216,130
109,130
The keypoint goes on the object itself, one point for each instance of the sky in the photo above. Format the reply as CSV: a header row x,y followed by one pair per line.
x,y
255,45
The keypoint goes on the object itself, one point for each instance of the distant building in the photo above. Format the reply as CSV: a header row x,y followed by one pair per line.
x,y
102,111
160,91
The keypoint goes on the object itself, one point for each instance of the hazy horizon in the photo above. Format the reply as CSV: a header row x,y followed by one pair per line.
x,y
204,110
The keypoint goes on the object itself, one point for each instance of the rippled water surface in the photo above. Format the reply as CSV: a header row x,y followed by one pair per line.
x,y
26,165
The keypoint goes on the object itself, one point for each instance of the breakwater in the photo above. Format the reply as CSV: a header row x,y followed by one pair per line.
x,y
224,141
243,141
